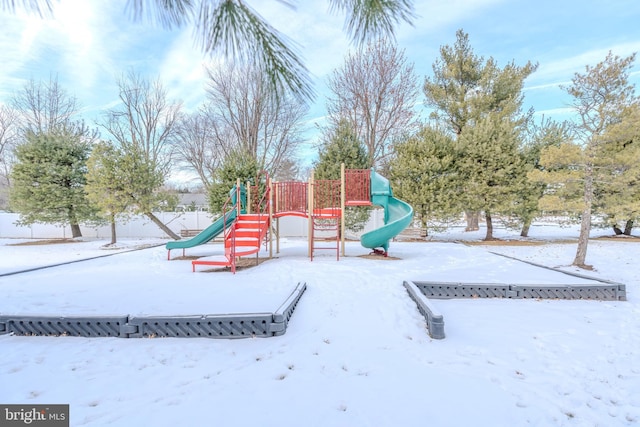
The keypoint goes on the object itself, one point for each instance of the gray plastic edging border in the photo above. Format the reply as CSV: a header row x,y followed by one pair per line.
x,y
421,291
450,290
285,311
75,326
435,320
241,325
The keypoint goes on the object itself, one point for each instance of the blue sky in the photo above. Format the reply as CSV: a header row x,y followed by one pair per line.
x,y
89,44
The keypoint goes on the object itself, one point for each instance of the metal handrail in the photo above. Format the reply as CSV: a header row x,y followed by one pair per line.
x,y
265,201
229,229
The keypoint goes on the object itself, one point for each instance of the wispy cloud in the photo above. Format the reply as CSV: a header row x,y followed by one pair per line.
x,y
546,86
17,39
183,71
316,34
561,70
436,16
90,43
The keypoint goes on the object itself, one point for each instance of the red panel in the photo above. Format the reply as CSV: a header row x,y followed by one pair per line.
x,y
290,196
358,187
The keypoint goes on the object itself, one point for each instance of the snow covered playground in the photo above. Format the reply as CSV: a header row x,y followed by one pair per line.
x,y
528,339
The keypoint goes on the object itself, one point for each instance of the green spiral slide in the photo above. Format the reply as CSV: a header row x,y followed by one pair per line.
x,y
397,214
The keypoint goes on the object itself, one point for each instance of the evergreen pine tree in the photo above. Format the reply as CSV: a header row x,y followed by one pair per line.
x,y
106,184
560,173
491,171
470,95
341,145
539,136
49,180
601,95
617,188
423,174
237,165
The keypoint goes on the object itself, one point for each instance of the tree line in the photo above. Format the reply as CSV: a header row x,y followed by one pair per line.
x,y
481,152
478,152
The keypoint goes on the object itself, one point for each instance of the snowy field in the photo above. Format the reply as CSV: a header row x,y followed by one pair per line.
x,y
356,351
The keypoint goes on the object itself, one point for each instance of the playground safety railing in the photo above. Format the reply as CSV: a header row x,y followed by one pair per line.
x,y
326,197
290,197
260,198
357,187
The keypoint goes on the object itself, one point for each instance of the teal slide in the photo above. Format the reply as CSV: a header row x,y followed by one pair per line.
x,y
397,214
214,229
205,235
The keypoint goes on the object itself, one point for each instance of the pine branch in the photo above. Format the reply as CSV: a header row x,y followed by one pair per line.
x,y
367,19
246,37
42,8
169,13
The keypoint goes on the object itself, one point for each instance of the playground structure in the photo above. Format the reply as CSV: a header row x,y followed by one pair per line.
x,y
250,216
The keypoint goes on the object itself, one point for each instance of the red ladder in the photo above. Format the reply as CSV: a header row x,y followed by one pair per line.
x,y
325,220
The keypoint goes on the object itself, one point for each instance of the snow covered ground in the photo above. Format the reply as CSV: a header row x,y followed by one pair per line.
x,y
356,351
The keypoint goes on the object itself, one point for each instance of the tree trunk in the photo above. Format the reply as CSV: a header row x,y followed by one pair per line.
x,y
73,223
489,235
583,240
162,226
525,228
472,220
75,231
113,230
617,230
423,222
585,225
628,227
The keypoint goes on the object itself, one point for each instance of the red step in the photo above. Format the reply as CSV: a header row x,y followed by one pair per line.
x,y
249,230
221,261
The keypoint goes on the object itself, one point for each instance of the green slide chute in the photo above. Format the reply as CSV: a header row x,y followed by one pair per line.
x,y
397,214
218,226
205,235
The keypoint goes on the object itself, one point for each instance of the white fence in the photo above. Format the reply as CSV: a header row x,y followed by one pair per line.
x,y
142,227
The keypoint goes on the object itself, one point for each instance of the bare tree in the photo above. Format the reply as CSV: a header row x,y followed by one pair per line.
x,y
44,106
601,95
375,91
144,126
251,118
200,144
8,140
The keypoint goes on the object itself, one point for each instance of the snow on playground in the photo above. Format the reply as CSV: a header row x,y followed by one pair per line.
x,y
356,351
